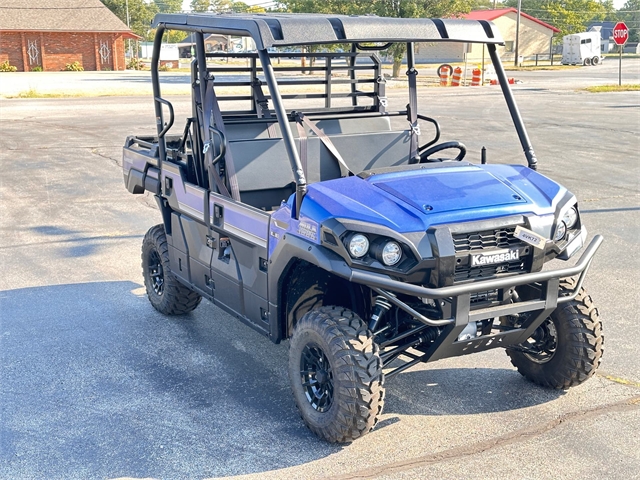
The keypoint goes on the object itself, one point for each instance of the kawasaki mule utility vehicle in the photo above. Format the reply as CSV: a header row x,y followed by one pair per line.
x,y
310,216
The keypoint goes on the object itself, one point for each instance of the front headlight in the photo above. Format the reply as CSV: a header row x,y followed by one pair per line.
x,y
561,231
570,218
358,245
391,254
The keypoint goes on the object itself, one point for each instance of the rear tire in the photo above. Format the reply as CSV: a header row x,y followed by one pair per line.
x,y
595,61
587,62
336,374
165,293
570,341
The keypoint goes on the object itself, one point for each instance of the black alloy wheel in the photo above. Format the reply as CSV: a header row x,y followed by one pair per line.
x,y
317,377
543,343
156,273
336,375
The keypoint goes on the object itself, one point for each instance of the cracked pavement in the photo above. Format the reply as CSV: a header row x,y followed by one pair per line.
x,y
94,383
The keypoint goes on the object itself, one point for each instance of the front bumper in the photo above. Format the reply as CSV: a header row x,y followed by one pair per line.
x,y
580,268
447,343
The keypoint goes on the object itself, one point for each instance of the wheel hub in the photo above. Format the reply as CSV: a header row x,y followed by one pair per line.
x,y
543,343
156,272
316,377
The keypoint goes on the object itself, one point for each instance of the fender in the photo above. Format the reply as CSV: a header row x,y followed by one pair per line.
x,y
289,250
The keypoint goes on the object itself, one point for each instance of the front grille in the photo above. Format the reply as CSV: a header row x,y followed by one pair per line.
x,y
466,272
484,297
502,238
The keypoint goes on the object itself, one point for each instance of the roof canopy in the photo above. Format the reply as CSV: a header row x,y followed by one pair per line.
x,y
273,30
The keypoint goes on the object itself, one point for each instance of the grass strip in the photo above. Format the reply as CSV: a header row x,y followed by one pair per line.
x,y
629,87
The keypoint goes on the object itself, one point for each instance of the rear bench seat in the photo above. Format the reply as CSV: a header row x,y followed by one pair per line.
x,y
249,131
262,166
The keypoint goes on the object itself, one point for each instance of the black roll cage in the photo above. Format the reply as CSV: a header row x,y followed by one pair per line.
x,y
268,31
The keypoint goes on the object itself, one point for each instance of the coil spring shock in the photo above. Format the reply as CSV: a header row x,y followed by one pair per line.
x,y
381,306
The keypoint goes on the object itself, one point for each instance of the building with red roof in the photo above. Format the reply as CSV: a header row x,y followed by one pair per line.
x,y
535,38
49,34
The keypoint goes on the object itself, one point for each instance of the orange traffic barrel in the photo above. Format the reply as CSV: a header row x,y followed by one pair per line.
x,y
443,73
455,79
476,78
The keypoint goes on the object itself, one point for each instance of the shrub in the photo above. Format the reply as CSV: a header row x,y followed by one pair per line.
x,y
135,64
37,68
5,67
74,67
163,68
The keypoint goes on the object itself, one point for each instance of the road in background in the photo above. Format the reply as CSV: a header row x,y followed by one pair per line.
x,y
133,82
96,384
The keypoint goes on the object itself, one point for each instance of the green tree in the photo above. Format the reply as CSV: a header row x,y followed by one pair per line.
x,y
168,6
630,15
573,16
200,5
384,8
140,14
569,16
221,6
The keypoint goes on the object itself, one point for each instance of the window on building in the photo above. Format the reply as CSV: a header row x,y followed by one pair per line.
x,y
508,46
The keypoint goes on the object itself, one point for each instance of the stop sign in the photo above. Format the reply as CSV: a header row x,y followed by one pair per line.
x,y
620,33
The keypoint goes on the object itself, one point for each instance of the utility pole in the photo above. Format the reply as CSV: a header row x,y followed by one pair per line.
x,y
128,25
517,49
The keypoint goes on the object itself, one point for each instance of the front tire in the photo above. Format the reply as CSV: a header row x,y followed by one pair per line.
x,y
569,344
165,293
336,375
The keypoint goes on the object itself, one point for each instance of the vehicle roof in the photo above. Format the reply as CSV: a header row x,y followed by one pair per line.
x,y
274,30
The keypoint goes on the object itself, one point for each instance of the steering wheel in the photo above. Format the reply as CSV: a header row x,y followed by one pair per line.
x,y
424,156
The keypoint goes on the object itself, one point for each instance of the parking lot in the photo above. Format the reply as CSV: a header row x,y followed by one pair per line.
x,y
94,383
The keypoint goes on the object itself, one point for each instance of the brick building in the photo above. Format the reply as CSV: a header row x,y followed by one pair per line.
x,y
52,33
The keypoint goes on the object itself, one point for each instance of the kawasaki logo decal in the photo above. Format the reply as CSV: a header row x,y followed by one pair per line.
x,y
500,256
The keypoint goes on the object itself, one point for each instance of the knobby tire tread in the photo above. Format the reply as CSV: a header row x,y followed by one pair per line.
x,y
584,343
358,377
176,298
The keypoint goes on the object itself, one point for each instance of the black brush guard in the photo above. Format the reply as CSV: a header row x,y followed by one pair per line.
x,y
446,344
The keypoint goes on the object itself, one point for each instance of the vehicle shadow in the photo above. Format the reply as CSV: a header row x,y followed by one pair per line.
x,y
93,376
95,381
463,391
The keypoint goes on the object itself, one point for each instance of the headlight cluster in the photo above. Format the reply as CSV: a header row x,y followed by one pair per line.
x,y
358,246
391,253
568,220
387,251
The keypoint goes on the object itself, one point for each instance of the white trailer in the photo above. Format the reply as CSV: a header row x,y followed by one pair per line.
x,y
581,49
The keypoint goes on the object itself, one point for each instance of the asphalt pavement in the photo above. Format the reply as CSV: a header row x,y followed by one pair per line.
x,y
94,383
131,82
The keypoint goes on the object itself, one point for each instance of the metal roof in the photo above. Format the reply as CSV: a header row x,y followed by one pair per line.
x,y
273,30
493,14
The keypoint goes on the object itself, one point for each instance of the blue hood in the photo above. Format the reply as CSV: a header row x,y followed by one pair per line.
x,y
411,201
